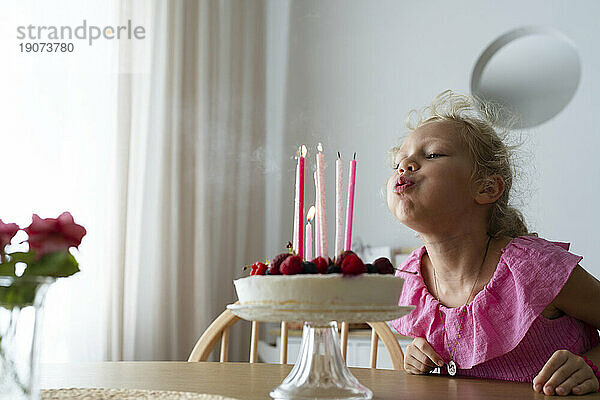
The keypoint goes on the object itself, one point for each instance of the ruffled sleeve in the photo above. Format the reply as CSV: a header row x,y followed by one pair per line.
x,y
529,275
422,321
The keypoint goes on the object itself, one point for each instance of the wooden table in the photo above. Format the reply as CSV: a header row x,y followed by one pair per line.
x,y
254,381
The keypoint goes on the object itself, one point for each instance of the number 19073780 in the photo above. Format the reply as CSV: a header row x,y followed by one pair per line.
x,y
42,47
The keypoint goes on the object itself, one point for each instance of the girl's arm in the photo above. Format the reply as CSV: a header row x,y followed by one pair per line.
x,y
565,372
580,297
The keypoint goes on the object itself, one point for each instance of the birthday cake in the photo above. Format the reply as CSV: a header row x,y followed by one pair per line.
x,y
293,282
322,290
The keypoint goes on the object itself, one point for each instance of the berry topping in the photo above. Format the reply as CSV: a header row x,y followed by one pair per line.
x,y
291,265
258,268
371,269
276,263
384,266
353,265
334,269
262,269
309,267
340,258
321,264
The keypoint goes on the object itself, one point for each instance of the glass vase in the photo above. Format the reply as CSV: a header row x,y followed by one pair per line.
x,y
320,371
21,308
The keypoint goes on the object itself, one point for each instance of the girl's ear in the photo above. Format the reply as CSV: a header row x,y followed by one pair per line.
x,y
490,190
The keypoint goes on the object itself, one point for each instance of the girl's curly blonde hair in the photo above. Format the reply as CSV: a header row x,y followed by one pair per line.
x,y
483,127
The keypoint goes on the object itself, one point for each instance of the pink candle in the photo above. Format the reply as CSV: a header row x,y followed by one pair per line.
x,y
308,240
299,203
339,207
295,229
318,251
350,204
322,202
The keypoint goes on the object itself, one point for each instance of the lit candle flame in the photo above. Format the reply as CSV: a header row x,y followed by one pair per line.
x,y
311,213
303,151
320,147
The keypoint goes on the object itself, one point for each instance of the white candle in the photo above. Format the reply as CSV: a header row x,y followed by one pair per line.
x,y
339,207
322,201
298,243
308,241
350,205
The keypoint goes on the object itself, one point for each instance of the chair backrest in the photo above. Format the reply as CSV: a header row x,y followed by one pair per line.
x,y
219,330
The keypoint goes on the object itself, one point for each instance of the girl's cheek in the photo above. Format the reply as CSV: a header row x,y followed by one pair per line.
x,y
391,179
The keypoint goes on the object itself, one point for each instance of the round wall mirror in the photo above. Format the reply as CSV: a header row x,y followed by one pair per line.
x,y
533,70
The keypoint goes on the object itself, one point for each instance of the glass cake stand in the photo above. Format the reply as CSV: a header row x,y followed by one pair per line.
x,y
320,371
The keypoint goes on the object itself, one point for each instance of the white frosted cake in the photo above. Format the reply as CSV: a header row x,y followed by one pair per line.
x,y
330,289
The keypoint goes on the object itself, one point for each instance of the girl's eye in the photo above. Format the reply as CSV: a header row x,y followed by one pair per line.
x,y
396,166
433,155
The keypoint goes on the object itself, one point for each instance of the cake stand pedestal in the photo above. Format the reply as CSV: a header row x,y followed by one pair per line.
x,y
320,371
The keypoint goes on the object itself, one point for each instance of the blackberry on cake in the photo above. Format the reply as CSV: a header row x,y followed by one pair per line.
x,y
384,266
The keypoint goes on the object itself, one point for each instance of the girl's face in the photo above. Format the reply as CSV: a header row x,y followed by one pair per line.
x,y
431,189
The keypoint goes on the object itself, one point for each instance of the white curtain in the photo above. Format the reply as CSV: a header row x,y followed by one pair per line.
x,y
189,165
56,118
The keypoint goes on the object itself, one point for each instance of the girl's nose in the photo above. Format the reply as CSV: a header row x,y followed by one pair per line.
x,y
408,165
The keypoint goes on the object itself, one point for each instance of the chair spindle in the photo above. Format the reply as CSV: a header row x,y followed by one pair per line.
x,y
284,343
374,344
254,342
224,346
345,329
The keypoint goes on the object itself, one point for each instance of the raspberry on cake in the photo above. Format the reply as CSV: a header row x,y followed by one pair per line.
x,y
291,265
321,264
353,265
276,263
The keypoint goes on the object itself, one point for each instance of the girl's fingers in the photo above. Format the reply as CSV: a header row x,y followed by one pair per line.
x,y
410,368
562,373
552,365
409,361
417,366
577,378
426,349
588,386
422,357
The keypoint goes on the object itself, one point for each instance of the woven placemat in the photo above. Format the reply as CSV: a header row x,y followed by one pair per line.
x,y
124,394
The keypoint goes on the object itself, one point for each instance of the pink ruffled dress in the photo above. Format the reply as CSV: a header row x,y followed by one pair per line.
x,y
504,335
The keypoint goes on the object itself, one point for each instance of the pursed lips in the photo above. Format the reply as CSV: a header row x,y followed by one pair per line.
x,y
403,183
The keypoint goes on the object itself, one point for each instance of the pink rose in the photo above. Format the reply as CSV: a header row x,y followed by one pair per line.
x,y
7,232
54,234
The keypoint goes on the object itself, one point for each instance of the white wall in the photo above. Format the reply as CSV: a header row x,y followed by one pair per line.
x,y
355,68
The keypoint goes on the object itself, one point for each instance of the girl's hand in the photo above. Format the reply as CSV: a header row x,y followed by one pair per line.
x,y
563,374
420,358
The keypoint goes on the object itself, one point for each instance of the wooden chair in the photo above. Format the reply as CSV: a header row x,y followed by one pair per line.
x,y
219,330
